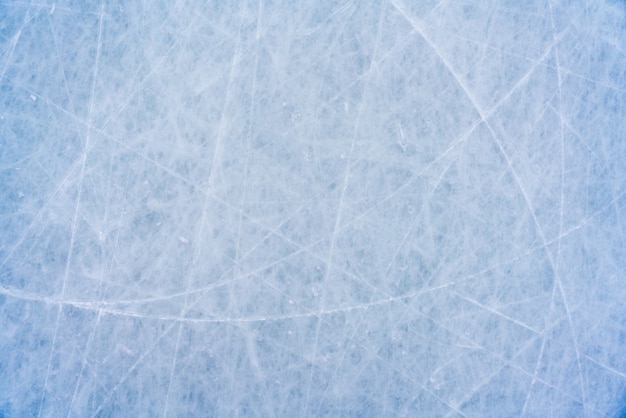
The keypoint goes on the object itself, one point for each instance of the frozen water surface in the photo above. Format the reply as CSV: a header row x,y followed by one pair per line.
x,y
313,208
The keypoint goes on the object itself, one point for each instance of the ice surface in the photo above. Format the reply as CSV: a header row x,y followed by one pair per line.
x,y
312,208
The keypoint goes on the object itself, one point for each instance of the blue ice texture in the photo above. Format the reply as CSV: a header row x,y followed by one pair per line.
x,y
283,208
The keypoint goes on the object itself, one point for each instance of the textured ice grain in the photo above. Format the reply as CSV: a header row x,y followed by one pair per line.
x,y
313,208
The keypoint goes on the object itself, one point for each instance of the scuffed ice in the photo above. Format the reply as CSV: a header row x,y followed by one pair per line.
x,y
313,208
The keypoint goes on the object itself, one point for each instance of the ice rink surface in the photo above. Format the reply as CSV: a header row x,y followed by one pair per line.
x,y
313,208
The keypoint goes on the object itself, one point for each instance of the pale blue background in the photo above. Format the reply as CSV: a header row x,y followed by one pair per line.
x,y
313,208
